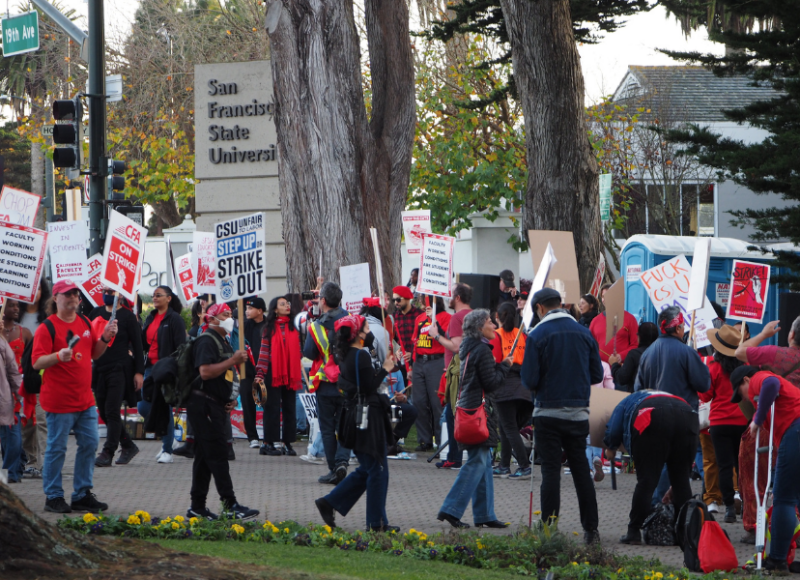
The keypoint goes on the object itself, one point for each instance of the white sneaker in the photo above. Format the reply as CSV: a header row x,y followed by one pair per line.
x,y
713,508
254,444
158,455
165,458
313,459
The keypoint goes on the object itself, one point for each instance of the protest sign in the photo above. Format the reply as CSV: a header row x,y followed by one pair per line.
x,y
668,285
539,281
748,293
722,293
354,282
614,304
185,281
203,263
18,207
240,264
599,274
66,242
436,265
92,286
415,223
564,276
698,283
123,255
22,251
602,403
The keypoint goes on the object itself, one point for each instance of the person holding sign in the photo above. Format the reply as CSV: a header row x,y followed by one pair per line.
x,y
784,361
64,346
621,343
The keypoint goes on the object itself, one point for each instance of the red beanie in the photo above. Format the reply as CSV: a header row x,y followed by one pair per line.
x,y
403,292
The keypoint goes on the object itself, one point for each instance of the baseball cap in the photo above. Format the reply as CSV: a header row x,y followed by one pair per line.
x,y
64,286
507,276
544,295
737,377
256,302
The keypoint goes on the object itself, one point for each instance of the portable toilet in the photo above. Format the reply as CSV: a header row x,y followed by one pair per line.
x,y
642,252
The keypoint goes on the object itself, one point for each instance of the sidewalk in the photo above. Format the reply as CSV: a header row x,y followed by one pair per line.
x,y
286,487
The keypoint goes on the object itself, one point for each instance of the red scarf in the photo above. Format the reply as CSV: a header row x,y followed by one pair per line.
x,y
285,356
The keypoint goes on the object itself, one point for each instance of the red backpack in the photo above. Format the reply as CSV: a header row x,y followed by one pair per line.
x,y
706,546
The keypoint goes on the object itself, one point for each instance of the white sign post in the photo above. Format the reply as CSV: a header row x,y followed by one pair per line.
x,y
22,252
415,223
241,268
354,281
123,255
436,265
204,262
18,207
66,242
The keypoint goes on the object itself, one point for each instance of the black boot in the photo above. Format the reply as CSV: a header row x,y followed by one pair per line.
x,y
730,514
186,450
633,537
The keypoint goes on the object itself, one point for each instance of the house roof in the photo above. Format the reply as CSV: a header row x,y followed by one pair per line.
x,y
690,93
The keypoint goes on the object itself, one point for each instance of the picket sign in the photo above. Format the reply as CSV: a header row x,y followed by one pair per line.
x,y
18,207
355,284
436,265
240,262
415,223
748,294
22,252
599,274
92,287
698,283
204,262
539,280
123,255
184,277
66,243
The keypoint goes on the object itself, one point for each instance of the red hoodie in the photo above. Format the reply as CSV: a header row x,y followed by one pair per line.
x,y
627,338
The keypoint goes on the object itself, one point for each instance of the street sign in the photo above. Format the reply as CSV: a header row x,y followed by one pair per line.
x,y
605,197
47,130
20,33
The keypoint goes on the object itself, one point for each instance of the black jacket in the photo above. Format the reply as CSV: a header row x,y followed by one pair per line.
x,y
374,439
171,334
586,319
625,374
252,332
129,338
481,376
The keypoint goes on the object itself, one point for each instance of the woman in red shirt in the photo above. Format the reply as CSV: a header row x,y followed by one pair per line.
x,y
727,423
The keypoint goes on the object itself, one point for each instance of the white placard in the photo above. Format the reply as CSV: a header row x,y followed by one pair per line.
x,y
415,223
92,287
354,281
436,265
22,252
309,402
204,263
723,292
241,268
123,255
66,242
185,281
18,207
539,280
698,284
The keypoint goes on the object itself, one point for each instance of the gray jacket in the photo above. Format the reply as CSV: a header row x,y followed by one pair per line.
x,y
10,381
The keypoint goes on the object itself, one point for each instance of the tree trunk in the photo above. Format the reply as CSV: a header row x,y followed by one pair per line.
x,y
340,171
562,171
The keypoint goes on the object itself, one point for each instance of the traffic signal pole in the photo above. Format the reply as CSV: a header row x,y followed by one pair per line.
x,y
98,165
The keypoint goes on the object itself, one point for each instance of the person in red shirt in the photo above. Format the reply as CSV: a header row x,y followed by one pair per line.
x,y
784,361
427,373
767,391
625,339
66,396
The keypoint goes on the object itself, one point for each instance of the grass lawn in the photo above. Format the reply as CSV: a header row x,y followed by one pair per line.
x,y
327,564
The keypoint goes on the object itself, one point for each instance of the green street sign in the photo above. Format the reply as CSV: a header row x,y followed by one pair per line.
x,y
605,197
20,33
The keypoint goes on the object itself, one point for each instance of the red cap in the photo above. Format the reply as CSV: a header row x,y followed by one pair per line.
x,y
403,292
352,321
216,309
372,301
63,286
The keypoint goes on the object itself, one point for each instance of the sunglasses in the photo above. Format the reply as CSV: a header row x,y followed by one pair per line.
x,y
397,299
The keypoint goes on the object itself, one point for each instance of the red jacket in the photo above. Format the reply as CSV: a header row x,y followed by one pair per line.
x,y
627,338
723,412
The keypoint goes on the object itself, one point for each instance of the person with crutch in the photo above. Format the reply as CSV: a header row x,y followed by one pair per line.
x,y
766,391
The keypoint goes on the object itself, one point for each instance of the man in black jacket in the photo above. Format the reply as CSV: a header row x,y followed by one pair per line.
x,y
253,328
113,374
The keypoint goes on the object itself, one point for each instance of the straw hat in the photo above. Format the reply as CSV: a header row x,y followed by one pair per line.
x,y
725,339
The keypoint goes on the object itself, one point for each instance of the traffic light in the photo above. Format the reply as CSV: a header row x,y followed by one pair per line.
x,y
69,134
116,183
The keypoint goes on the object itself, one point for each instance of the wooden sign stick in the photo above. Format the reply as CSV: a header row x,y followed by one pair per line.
x,y
741,339
615,335
691,330
240,308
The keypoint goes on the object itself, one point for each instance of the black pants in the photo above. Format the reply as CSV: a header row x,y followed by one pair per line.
x,y
410,414
512,416
552,436
726,439
248,409
454,454
210,451
277,398
109,390
329,407
670,438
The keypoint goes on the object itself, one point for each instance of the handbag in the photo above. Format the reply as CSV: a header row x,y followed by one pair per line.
x,y
348,417
471,426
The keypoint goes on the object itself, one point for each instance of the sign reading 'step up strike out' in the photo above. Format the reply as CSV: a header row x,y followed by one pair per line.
x,y
241,268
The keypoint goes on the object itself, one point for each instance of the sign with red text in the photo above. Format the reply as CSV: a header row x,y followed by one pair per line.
x,y
748,294
18,207
668,285
203,263
436,265
66,242
415,223
599,274
22,252
355,284
123,255
92,286
183,270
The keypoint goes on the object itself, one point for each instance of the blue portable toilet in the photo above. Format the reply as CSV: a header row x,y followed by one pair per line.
x,y
642,252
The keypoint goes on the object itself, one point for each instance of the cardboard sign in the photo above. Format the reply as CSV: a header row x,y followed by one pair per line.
x,y
698,284
415,223
436,265
123,255
66,242
204,263
748,294
614,303
723,292
602,403
185,281
668,285
241,268
22,252
599,274
92,286
539,280
18,207
354,282
564,276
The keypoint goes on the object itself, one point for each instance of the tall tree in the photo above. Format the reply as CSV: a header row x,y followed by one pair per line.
x,y
342,169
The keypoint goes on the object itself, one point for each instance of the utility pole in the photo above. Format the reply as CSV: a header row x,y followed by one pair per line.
x,y
98,164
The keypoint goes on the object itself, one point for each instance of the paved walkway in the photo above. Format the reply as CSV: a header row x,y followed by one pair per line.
x,y
285,488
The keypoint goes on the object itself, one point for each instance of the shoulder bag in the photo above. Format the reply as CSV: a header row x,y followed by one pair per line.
x,y
471,426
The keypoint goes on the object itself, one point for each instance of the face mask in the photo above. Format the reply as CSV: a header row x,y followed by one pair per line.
x,y
227,325
369,340
108,299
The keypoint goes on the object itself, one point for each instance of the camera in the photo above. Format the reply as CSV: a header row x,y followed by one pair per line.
x,y
308,295
362,417
397,414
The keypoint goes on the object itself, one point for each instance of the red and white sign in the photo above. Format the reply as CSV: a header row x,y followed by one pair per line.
x,y
66,242
183,270
18,207
723,292
124,255
22,252
92,287
415,223
203,262
748,293
598,276
436,265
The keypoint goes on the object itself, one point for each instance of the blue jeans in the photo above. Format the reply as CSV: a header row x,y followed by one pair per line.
x,y
11,438
84,425
786,493
371,476
317,449
474,482
591,453
300,414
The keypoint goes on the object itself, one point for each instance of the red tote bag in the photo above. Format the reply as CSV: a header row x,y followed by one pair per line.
x,y
471,426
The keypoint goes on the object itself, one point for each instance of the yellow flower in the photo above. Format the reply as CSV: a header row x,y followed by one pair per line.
x,y
327,528
179,518
574,563
285,530
193,521
576,533
166,520
430,544
480,546
176,526
134,520
89,518
237,528
537,513
144,516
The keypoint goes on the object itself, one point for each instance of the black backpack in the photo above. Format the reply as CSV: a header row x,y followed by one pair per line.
x,y
176,374
659,527
691,517
31,378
